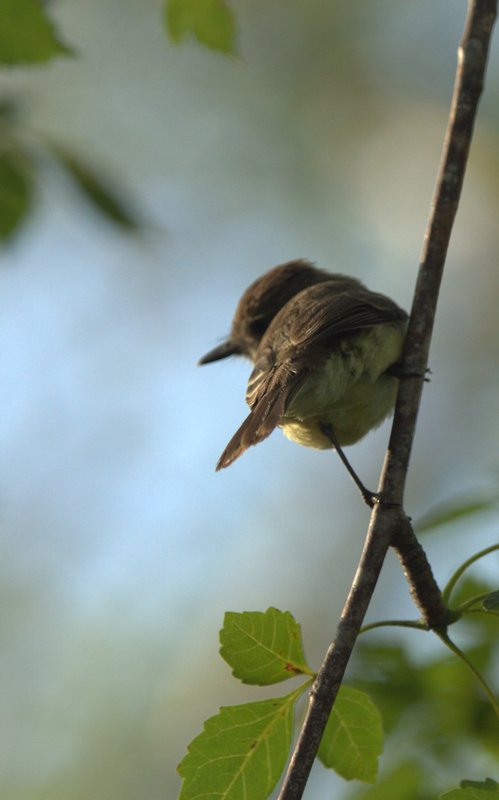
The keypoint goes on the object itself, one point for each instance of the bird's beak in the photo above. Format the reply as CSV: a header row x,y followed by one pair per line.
x,y
223,350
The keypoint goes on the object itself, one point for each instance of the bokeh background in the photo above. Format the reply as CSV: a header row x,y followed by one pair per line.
x,y
121,546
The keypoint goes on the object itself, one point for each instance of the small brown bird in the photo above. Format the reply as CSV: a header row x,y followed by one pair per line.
x,y
325,360
260,303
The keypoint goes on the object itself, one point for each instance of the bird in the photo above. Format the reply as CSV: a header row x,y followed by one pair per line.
x,y
326,369
260,303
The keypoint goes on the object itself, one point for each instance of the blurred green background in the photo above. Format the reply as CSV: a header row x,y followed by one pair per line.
x,y
121,546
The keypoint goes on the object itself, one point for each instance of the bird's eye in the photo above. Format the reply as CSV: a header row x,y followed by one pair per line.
x,y
258,326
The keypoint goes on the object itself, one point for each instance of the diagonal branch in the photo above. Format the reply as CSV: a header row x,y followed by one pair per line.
x,y
472,58
388,523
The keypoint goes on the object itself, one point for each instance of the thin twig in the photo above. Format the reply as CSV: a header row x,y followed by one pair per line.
x,y
387,517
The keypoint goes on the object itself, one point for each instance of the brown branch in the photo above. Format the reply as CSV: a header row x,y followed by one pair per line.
x,y
388,523
472,59
423,586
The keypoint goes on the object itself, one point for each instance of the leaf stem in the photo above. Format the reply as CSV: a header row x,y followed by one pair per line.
x,y
481,611
457,574
471,602
399,623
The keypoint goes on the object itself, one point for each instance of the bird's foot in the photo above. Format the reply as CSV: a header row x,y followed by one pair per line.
x,y
397,372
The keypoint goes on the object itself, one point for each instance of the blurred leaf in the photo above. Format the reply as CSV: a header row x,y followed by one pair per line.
x,y
16,189
241,751
263,647
26,33
491,602
9,110
353,738
453,707
211,22
453,510
437,705
405,782
474,790
390,678
101,196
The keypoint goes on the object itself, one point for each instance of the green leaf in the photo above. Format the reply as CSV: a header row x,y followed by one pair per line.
x,y
101,196
16,190
453,510
353,738
26,33
210,22
491,602
474,790
263,647
241,752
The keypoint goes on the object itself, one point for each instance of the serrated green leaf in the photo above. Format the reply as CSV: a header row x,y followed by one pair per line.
x,y
353,738
491,602
454,510
16,189
101,196
241,752
263,647
473,790
26,34
211,22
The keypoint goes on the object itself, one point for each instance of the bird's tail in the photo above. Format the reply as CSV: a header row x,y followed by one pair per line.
x,y
265,415
259,424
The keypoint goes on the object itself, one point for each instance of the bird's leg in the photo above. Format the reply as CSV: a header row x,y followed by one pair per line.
x,y
371,498
396,371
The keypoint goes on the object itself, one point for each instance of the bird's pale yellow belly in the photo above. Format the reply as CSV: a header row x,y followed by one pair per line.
x,y
351,392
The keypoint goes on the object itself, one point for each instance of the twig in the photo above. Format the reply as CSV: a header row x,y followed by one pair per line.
x,y
387,519
422,585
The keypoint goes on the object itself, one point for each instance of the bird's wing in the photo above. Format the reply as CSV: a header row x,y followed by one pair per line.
x,y
260,376
331,316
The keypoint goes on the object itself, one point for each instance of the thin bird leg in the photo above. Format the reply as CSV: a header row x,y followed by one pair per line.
x,y
371,498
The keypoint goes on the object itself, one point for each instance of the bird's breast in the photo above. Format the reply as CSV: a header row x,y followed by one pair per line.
x,y
349,390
